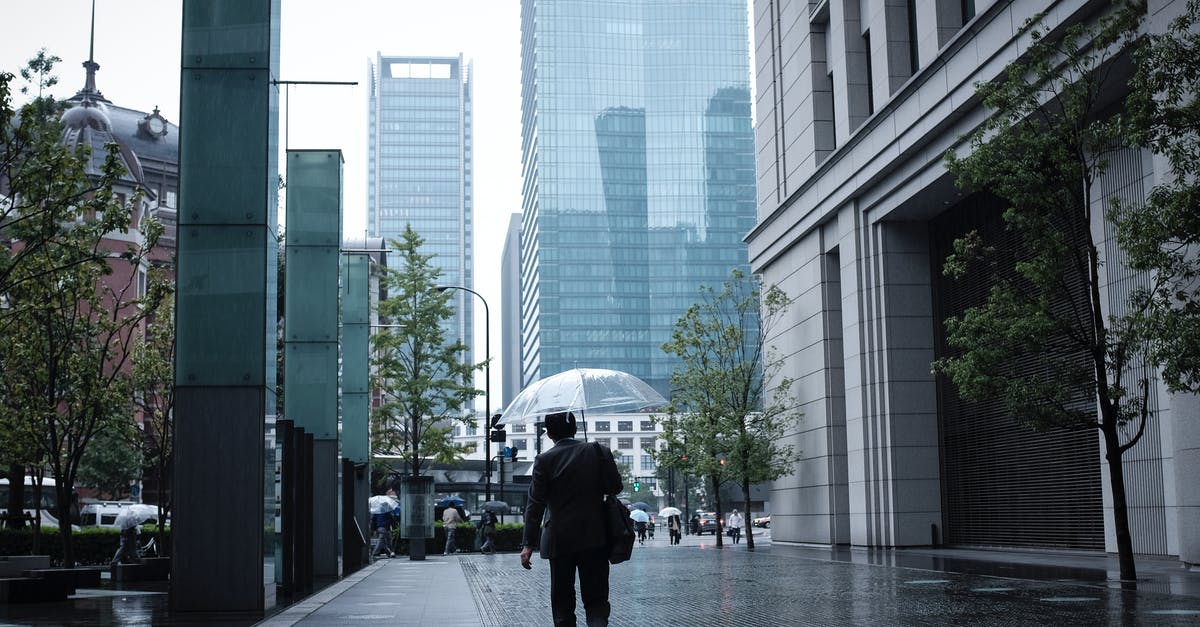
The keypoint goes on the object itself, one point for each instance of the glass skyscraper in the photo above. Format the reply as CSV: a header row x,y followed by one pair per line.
x,y
638,155
419,166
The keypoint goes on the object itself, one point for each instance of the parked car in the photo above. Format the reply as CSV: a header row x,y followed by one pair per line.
x,y
708,523
763,521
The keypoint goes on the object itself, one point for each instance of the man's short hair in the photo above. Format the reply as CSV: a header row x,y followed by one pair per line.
x,y
560,425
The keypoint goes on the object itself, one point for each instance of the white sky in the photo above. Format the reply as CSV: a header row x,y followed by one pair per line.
x,y
137,47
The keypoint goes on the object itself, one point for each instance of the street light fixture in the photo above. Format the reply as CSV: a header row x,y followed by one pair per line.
x,y
487,388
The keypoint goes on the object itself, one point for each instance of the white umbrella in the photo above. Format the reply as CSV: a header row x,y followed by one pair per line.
x,y
590,389
382,504
669,511
135,515
639,516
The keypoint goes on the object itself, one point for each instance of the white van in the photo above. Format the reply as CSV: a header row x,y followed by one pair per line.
x,y
102,513
48,503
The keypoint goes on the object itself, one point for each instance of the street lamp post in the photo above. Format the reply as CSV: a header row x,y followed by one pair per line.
x,y
487,389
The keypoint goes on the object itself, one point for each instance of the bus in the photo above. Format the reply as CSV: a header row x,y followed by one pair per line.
x,y
48,503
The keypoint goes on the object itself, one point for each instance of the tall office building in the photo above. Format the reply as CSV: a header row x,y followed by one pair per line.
x,y
419,167
859,101
638,162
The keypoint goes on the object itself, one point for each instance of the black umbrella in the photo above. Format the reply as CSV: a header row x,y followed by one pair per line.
x,y
496,507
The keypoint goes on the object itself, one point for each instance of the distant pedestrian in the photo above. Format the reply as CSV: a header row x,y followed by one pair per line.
x,y
488,527
451,519
640,525
675,528
735,522
383,523
127,550
695,524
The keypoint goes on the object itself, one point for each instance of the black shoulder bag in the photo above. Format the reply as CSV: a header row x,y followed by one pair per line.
x,y
617,523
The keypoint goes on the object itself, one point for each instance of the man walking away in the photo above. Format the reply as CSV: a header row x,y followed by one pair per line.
x,y
568,485
488,523
450,520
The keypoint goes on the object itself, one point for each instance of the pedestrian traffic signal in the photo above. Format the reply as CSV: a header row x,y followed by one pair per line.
x,y
637,485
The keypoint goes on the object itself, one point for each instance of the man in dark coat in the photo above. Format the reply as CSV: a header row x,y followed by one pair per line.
x,y
570,481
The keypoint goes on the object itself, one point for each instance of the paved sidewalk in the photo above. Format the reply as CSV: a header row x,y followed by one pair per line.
x,y
397,591
695,584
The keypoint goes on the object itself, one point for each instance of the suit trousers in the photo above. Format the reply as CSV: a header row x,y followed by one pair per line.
x,y
592,565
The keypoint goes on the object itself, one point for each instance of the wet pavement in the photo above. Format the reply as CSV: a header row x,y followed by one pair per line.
x,y
696,584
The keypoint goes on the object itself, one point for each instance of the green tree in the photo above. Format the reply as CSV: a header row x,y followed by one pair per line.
x,y
154,395
67,329
1044,347
112,460
424,381
729,403
1161,235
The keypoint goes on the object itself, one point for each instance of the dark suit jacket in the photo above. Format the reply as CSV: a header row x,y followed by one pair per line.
x,y
570,481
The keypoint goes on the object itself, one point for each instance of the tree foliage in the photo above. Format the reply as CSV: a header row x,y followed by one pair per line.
x,y
1161,236
1044,347
421,375
70,319
154,396
729,405
113,460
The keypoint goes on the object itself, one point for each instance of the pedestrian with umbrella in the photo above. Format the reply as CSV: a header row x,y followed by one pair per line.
x,y
640,519
580,390
488,522
674,522
128,520
382,508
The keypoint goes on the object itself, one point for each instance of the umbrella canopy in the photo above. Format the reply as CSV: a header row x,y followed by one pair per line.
x,y
382,504
640,505
450,501
496,507
670,511
584,389
135,515
639,516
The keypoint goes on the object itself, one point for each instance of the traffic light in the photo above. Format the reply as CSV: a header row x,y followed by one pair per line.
x,y
637,485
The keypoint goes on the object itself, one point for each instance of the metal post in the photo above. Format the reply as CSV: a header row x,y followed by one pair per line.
x,y
487,386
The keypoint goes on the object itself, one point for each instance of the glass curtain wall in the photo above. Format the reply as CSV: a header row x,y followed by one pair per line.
x,y
639,175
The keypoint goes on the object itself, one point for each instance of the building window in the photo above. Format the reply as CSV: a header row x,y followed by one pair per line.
x,y
625,425
648,463
648,443
626,461
472,430
914,61
870,75
518,428
625,444
647,425
520,445
605,442
603,426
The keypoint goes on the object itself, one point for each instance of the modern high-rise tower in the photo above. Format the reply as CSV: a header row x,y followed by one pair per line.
x,y
638,163
419,166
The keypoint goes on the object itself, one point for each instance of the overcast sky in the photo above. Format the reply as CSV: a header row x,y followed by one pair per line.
x,y
137,47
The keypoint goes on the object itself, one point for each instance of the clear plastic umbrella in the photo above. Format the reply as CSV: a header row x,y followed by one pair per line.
x,y
382,504
135,515
639,516
669,511
583,389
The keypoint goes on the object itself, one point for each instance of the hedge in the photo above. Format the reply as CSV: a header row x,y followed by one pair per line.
x,y
507,538
93,545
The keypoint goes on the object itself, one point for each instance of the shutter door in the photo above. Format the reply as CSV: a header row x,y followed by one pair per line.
x,y
1003,483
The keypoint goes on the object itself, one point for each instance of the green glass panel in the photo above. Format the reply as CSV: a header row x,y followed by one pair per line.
x,y
314,197
355,359
271,340
231,142
355,290
310,387
228,33
355,434
311,301
221,306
